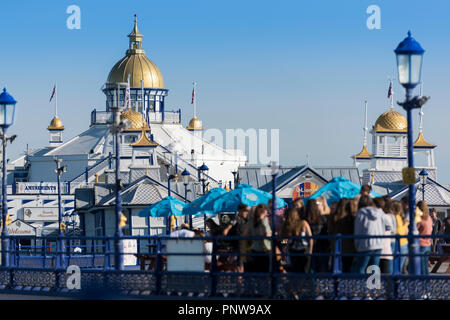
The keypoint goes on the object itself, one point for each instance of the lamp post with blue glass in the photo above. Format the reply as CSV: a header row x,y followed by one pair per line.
x,y
409,63
7,111
423,179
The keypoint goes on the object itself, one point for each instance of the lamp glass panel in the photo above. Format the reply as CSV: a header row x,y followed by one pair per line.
x,y
403,68
416,67
2,114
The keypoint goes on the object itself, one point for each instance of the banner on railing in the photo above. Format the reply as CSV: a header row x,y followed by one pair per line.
x,y
40,214
129,246
37,187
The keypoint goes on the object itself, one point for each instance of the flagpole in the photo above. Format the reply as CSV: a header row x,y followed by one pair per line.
x,y
195,100
421,110
56,100
365,125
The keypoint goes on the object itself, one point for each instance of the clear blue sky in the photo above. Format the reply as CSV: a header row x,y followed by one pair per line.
x,y
304,67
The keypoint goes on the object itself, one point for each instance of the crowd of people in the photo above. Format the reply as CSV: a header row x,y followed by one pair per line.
x,y
297,251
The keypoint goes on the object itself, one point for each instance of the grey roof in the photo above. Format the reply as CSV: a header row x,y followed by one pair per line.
x,y
144,191
84,143
260,177
388,182
136,174
435,194
391,176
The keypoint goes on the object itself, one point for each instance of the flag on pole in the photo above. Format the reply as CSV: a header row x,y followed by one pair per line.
x,y
53,93
193,95
390,90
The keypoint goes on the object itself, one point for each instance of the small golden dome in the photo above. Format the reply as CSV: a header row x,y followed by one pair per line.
x,y
136,119
55,124
195,124
422,143
144,141
391,121
136,65
364,154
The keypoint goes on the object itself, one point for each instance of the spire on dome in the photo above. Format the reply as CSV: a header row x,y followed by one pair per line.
x,y
364,154
135,39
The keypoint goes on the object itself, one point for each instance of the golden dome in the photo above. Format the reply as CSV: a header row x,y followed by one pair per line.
x,y
391,121
422,143
195,124
136,119
364,154
136,65
55,124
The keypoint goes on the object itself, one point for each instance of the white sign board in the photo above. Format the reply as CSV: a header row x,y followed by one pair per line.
x,y
129,246
37,187
40,214
185,263
20,228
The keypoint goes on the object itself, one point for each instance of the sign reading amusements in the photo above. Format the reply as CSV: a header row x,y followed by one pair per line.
x,y
37,187
40,214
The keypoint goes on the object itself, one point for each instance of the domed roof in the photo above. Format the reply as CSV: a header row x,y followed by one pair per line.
x,y
195,124
364,154
422,143
55,124
391,121
136,65
136,119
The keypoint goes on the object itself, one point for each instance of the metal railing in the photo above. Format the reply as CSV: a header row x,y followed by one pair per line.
x,y
163,265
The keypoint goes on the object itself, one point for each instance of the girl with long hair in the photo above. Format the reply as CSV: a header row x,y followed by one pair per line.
x,y
425,227
318,223
294,226
402,229
259,226
342,222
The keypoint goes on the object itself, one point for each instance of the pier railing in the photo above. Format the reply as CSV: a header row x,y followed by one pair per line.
x,y
202,267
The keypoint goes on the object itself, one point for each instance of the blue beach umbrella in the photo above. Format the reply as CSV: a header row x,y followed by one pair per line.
x,y
243,193
169,206
339,188
197,206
